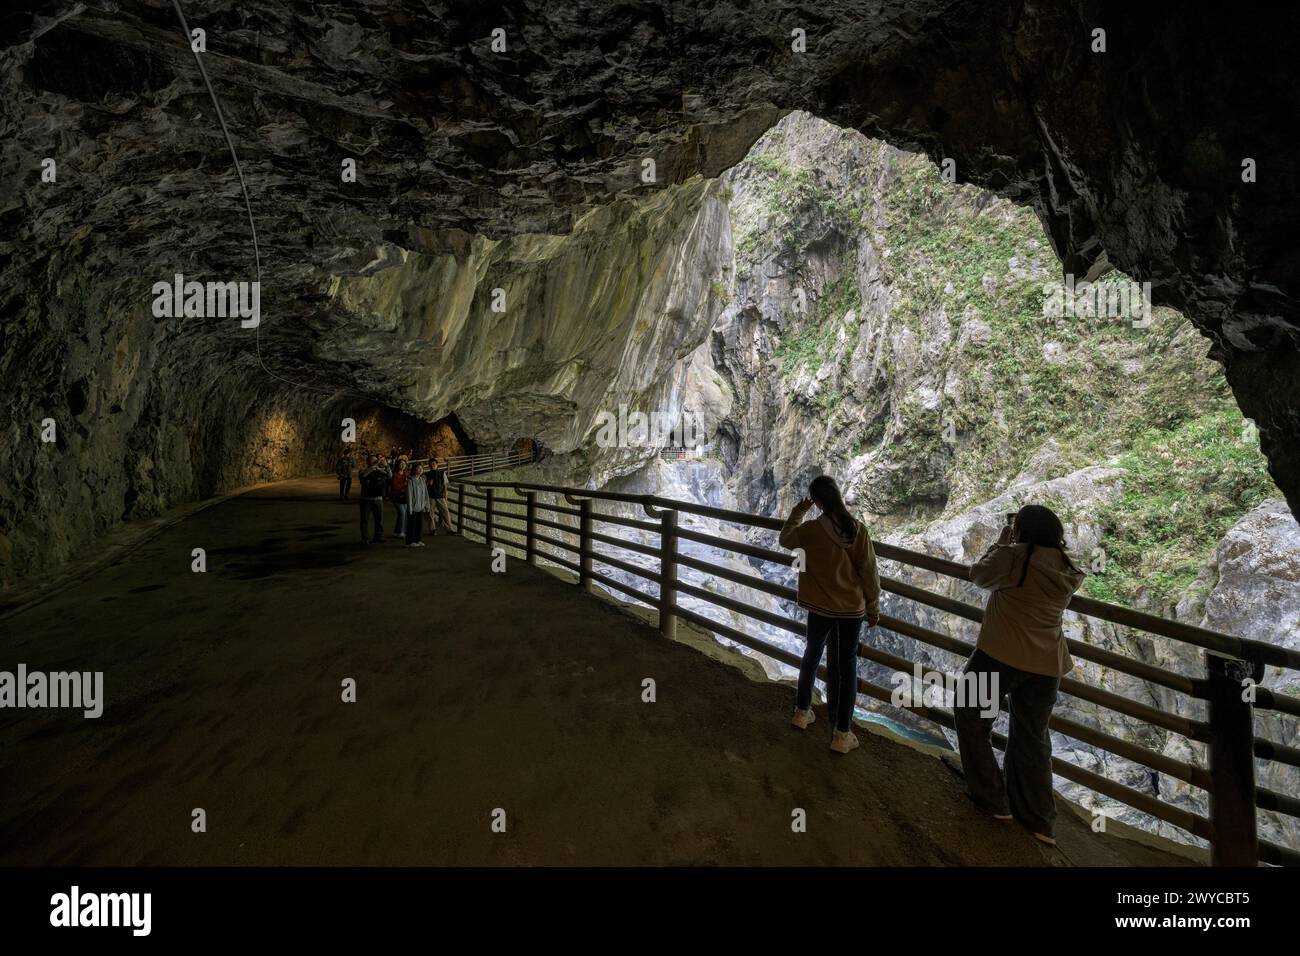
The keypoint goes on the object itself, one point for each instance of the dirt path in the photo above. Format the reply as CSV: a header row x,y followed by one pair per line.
x,y
474,692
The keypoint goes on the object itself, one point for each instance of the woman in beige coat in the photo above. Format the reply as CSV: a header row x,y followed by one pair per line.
x,y
839,587
1021,652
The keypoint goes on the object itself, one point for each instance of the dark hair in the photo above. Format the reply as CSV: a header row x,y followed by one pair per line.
x,y
826,493
1038,526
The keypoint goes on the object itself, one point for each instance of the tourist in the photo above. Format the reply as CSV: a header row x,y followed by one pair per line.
x,y
439,514
397,494
417,506
839,588
1020,652
343,468
374,483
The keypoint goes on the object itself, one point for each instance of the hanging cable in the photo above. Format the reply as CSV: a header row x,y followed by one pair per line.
x,y
248,205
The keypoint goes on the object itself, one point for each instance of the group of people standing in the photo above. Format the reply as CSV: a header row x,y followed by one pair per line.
x,y
416,493
1021,651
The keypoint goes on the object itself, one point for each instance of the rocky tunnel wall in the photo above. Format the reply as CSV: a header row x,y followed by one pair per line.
x,y
111,415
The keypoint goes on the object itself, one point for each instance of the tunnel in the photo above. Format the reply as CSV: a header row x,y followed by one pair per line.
x,y
410,410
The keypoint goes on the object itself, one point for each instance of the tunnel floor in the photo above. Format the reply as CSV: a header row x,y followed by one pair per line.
x,y
475,691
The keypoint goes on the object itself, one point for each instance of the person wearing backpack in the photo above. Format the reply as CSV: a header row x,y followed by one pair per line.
x,y
1021,652
840,589
374,482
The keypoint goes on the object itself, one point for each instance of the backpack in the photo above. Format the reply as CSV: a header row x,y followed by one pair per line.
x,y
373,484
397,488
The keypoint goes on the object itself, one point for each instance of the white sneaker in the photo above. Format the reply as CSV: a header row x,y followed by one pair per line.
x,y
419,544
842,741
802,718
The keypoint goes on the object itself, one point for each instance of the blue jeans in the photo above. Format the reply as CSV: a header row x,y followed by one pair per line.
x,y
839,637
401,519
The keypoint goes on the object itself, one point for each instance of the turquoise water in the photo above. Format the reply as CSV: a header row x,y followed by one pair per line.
x,y
911,733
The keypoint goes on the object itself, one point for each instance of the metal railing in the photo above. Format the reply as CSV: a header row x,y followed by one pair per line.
x,y
461,467
528,525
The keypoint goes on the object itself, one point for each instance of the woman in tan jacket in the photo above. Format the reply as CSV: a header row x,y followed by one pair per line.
x,y
839,588
1021,652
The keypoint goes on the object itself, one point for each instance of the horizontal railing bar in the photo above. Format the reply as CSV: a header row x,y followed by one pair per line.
x,y
1239,647
1271,700
1267,749
520,520
625,588
1146,803
557,525
560,509
740,547
1192,687
740,637
939,601
1277,802
621,543
1275,855
1088,652
1123,748
649,526
624,566
1191,729
740,607
537,535
1118,614
562,562
1177,630
1184,819
740,577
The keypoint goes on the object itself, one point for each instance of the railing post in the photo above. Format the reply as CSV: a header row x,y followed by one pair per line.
x,y
1232,761
584,544
487,518
460,508
667,573
531,531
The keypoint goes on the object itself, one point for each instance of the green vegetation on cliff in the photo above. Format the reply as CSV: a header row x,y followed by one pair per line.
x,y
808,346
1184,486
977,384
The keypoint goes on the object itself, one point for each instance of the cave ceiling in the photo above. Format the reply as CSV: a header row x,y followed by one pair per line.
x,y
1135,153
